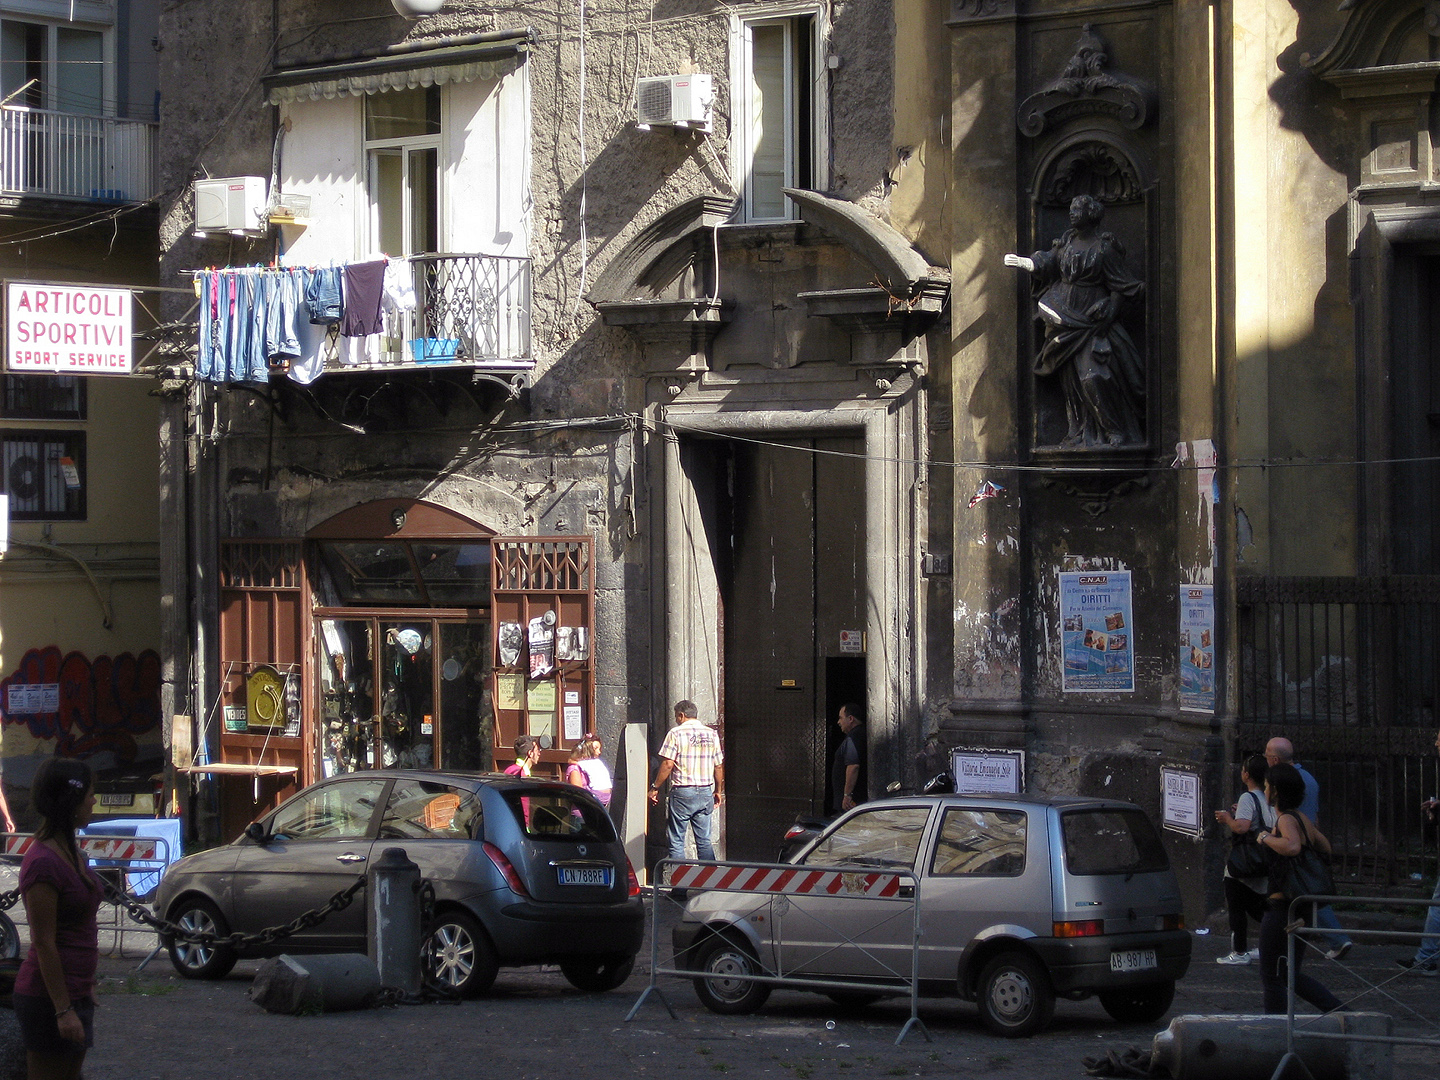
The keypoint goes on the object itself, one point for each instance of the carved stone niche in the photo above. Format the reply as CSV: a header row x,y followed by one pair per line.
x,y
660,288
1091,348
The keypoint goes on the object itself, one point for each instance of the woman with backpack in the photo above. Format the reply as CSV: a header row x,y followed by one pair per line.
x,y
1245,869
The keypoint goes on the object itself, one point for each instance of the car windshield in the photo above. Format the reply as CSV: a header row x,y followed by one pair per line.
x,y
1111,840
546,814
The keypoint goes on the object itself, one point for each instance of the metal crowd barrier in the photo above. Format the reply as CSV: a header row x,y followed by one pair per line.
x,y
896,892
121,856
1298,932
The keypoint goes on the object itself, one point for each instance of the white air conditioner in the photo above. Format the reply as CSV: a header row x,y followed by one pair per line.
x,y
674,100
233,204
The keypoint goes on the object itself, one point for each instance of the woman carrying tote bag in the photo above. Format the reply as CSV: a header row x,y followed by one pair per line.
x,y
1247,868
1293,834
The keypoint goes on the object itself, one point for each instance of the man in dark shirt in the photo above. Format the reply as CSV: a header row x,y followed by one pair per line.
x,y
847,772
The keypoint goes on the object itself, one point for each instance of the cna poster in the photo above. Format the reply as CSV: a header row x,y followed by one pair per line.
x,y
1197,648
1096,634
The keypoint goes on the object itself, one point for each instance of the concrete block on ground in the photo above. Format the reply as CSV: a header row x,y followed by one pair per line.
x,y
310,985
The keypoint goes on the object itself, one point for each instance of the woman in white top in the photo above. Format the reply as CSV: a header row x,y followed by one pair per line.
x,y
1245,899
586,769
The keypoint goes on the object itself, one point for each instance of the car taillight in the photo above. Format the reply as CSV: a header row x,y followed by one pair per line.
x,y
634,881
1087,928
1172,922
502,864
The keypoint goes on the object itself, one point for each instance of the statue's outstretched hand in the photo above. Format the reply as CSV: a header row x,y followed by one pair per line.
x,y
1020,261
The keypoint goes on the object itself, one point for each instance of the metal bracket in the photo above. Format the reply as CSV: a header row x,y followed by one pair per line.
x,y
514,386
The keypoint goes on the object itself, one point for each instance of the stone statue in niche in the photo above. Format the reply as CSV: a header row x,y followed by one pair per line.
x,y
1081,285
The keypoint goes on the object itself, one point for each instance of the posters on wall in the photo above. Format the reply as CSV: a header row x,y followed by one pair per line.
x,y
1197,648
1096,632
1180,801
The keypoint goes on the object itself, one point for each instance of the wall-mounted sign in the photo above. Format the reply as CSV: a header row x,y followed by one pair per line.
x,y
36,699
67,329
988,772
1197,648
1097,639
852,641
1180,801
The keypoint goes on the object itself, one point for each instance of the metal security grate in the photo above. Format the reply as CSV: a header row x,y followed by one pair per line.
x,y
44,474
260,564
542,565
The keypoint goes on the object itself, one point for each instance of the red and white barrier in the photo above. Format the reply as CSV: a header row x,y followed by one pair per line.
x,y
789,882
110,848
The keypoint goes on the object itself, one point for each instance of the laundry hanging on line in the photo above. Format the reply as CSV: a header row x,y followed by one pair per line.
x,y
255,321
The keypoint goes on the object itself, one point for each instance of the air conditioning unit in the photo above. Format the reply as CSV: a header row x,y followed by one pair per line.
x,y
674,100
233,204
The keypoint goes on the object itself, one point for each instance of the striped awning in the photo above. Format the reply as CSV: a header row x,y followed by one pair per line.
x,y
499,55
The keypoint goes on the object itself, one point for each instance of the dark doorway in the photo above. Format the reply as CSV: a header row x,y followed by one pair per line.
x,y
790,560
844,685
1415,404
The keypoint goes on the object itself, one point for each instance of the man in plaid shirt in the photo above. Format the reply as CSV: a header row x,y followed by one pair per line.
x,y
692,759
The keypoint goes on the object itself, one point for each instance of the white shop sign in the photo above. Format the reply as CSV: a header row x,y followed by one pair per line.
x,y
67,329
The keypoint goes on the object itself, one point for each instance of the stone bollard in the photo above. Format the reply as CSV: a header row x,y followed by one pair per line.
x,y
309,985
392,920
1251,1047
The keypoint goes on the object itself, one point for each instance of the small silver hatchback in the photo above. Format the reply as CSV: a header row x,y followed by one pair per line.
x,y
1021,900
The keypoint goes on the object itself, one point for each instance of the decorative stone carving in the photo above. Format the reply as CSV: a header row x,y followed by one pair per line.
x,y
1086,87
1081,286
964,10
1096,169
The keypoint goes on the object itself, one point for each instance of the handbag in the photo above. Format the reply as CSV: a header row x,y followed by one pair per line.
x,y
1246,858
1308,872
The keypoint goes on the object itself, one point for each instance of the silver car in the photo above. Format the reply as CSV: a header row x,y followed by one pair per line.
x,y
1020,900
524,872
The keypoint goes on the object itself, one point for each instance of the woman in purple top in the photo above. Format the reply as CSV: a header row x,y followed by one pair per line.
x,y
55,988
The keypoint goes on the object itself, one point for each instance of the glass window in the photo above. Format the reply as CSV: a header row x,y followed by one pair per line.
x,y
980,843
888,837
44,474
455,575
402,114
776,113
421,810
1111,841
45,397
80,74
372,572
554,815
340,811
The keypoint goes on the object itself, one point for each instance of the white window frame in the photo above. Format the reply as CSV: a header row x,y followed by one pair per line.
x,y
108,105
741,31
405,144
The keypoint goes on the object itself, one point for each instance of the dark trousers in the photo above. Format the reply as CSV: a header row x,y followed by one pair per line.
x,y
1243,904
1272,962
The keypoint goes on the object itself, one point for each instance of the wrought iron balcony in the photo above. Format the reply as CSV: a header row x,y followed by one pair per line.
x,y
73,156
471,311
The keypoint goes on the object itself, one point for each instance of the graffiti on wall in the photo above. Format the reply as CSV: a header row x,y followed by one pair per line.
x,y
86,706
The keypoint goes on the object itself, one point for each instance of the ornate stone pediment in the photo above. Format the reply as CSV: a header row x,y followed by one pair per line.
x,y
1383,43
1086,87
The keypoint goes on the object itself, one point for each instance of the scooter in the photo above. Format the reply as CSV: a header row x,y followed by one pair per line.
x,y
808,826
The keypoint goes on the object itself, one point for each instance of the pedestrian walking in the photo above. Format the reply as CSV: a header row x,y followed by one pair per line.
x,y
1280,751
847,768
55,987
527,754
693,761
1245,870
588,770
1293,832
1426,960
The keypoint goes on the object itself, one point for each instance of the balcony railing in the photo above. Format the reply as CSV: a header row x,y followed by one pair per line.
x,y
73,156
471,310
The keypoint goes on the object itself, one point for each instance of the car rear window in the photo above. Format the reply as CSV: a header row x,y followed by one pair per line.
x,y
546,814
980,843
1111,840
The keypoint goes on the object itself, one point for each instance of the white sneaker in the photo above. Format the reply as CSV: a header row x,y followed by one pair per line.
x,y
1234,958
1338,953
1254,954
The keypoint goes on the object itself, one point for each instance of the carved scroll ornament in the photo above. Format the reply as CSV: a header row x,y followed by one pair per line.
x,y
1086,87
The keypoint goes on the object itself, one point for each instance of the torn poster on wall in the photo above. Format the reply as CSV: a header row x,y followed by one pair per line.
x,y
1096,639
1197,648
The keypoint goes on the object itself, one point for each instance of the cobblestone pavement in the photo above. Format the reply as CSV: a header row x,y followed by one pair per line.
x,y
152,1025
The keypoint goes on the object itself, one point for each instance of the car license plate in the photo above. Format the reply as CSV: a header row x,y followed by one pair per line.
x,y
1133,960
585,875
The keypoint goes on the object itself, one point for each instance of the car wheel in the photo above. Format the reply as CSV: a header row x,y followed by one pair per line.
x,y
1015,997
596,974
192,959
1138,1004
9,938
457,955
852,999
718,959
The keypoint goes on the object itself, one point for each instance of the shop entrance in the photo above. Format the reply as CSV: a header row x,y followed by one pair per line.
x,y
791,572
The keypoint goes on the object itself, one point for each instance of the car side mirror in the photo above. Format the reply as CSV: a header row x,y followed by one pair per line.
x,y
256,832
